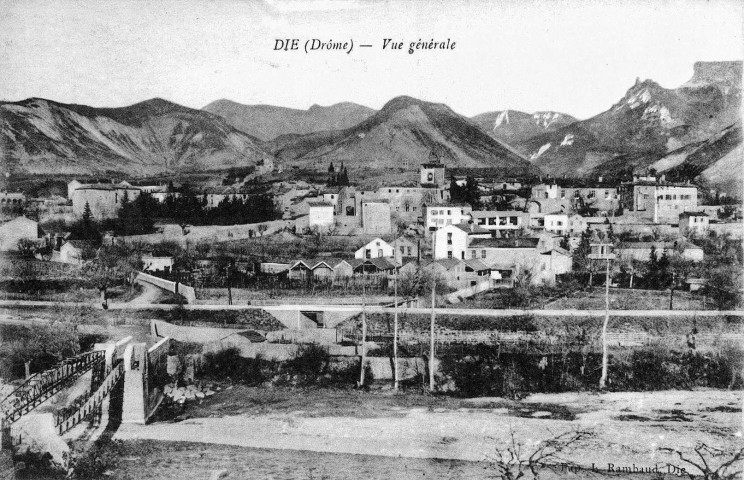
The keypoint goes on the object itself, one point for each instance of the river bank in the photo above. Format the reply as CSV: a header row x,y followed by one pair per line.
x,y
629,428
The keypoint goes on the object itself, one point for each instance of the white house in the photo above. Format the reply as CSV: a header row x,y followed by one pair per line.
x,y
694,223
157,263
451,241
562,223
499,221
20,227
535,257
377,248
442,214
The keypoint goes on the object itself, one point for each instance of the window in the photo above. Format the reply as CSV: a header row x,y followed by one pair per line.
x,y
402,250
563,194
434,212
430,177
414,209
546,195
410,251
449,239
502,221
483,254
462,255
449,254
449,221
668,197
481,221
377,244
349,211
513,220
493,220
449,212
473,254
367,253
559,223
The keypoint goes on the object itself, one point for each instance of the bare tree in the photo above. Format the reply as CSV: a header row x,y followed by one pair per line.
x,y
714,463
514,461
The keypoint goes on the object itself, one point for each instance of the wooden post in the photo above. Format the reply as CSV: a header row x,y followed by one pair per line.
x,y
395,323
603,378
364,344
431,344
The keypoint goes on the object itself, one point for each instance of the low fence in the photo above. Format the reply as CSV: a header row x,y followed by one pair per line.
x,y
186,291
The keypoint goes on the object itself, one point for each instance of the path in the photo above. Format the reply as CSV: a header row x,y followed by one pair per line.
x,y
150,294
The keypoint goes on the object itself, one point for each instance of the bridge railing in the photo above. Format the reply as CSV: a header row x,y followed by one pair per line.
x,y
94,402
41,386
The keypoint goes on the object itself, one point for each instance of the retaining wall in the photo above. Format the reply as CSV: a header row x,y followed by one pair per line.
x,y
186,291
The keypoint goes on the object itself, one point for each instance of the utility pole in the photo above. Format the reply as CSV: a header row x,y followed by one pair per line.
x,y
364,335
671,292
395,322
603,378
431,345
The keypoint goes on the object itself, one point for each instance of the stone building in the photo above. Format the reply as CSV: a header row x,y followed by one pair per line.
x,y
13,231
104,199
376,217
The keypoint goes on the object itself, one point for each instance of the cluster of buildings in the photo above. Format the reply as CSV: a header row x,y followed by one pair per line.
x,y
525,241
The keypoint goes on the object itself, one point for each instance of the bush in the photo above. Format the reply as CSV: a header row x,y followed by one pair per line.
x,y
229,365
481,370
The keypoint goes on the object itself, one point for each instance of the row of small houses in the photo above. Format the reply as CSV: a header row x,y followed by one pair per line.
x,y
454,273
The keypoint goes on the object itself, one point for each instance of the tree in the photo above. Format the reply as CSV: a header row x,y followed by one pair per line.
x,y
714,463
513,461
565,243
27,247
108,269
87,215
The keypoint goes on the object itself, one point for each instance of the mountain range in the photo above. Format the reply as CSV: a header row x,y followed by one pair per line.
x,y
40,136
513,126
406,131
267,122
646,124
688,131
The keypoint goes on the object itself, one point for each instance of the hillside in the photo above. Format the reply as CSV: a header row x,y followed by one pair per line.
x,y
512,126
646,124
267,122
40,136
405,132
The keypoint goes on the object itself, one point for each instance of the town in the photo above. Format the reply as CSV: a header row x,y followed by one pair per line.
x,y
514,252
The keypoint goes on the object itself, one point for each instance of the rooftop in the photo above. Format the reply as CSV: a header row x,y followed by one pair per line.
x,y
524,242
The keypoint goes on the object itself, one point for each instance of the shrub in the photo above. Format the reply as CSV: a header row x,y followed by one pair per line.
x,y
227,364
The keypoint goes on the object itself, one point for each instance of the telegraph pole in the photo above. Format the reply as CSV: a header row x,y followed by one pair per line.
x,y
431,345
364,344
364,334
603,378
395,322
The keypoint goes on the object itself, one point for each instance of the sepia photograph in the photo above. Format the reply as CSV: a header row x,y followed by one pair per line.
x,y
371,239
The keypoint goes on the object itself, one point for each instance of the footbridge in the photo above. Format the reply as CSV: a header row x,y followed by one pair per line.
x,y
140,373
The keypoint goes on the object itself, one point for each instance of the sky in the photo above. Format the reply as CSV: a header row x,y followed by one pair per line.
x,y
572,56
